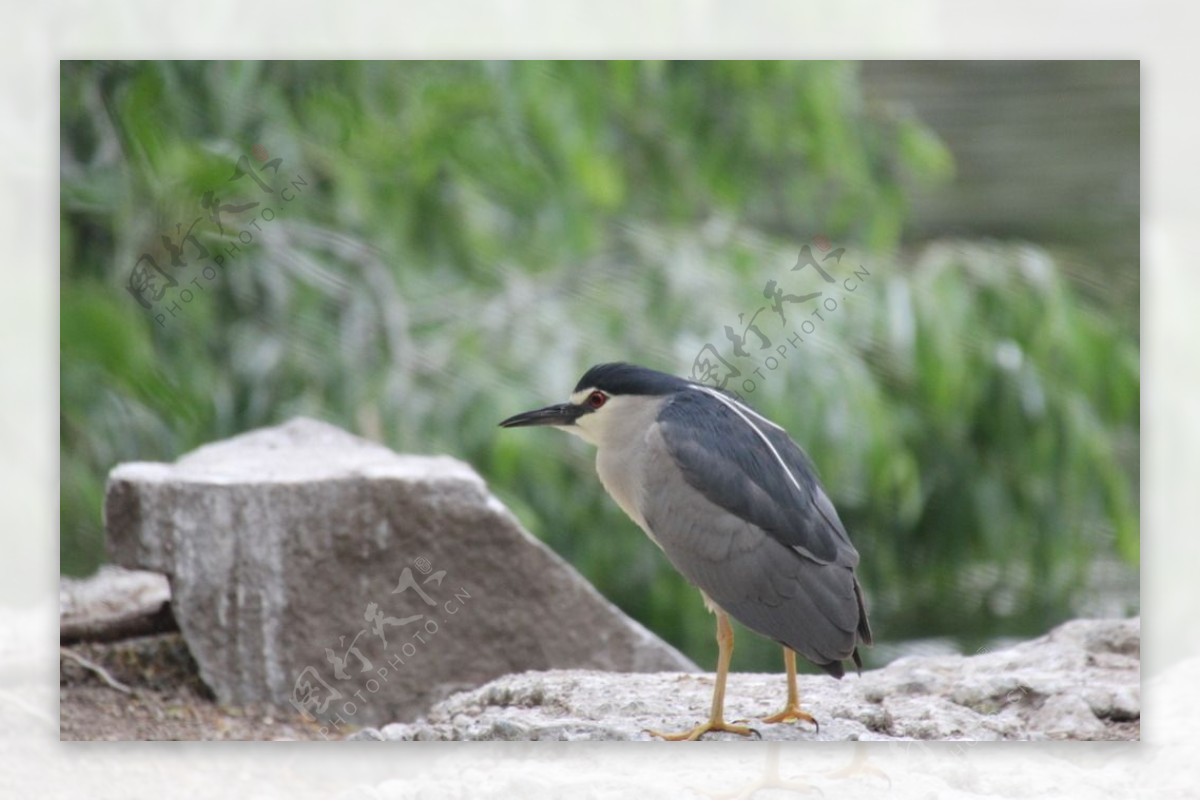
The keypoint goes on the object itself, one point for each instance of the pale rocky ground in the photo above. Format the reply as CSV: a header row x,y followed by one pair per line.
x,y
1079,682
36,764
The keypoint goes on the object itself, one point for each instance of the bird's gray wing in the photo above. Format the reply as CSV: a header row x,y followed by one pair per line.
x,y
752,468
737,508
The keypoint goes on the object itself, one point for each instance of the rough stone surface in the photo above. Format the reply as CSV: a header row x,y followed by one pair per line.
x,y
1081,681
113,604
309,566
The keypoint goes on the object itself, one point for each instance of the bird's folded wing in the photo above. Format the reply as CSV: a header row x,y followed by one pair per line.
x,y
753,537
751,468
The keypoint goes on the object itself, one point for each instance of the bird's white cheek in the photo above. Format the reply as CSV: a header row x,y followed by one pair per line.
x,y
579,431
598,425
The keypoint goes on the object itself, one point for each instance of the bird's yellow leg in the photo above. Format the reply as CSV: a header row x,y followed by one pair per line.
x,y
716,720
791,711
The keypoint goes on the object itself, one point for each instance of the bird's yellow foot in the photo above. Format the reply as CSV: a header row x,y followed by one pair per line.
x,y
705,728
792,713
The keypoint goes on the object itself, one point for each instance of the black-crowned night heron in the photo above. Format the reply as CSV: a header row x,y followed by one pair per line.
x,y
737,508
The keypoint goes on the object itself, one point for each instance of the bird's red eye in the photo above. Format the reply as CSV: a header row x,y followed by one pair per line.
x,y
596,399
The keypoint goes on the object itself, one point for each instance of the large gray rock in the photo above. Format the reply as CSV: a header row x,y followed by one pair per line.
x,y
309,566
1081,682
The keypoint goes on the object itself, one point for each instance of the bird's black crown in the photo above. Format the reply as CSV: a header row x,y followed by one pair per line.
x,y
619,378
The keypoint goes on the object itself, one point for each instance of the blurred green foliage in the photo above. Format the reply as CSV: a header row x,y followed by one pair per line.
x,y
464,239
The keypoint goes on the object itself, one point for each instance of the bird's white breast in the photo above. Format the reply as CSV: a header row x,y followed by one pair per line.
x,y
621,456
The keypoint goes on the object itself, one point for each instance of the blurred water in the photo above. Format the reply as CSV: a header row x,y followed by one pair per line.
x,y
1112,591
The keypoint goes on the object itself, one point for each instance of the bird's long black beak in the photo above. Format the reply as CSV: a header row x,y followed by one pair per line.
x,y
560,414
